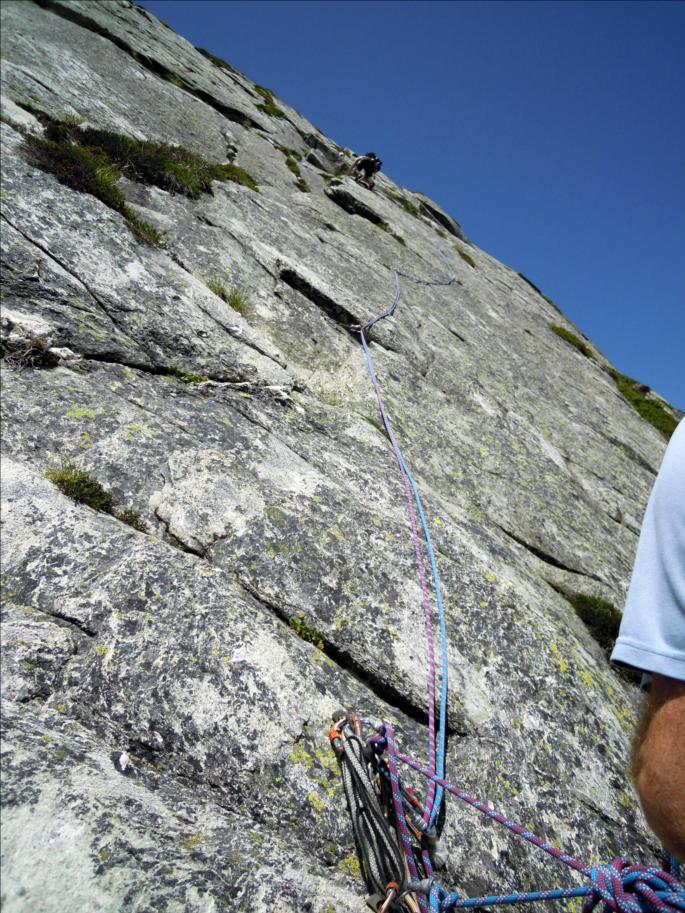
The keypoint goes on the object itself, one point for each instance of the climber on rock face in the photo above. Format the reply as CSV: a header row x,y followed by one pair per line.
x,y
652,639
364,167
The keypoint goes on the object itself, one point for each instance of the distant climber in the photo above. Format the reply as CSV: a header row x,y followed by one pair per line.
x,y
364,167
652,639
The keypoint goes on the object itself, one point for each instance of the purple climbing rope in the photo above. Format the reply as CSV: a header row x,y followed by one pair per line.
x,y
619,886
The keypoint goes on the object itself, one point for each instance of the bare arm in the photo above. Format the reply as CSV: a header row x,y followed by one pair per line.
x,y
658,763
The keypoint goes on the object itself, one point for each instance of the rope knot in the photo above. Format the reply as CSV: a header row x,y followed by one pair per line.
x,y
625,888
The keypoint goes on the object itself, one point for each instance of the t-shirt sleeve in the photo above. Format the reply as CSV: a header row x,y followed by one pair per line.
x,y
652,633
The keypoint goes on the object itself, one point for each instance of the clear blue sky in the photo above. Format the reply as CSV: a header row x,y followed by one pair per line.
x,y
553,131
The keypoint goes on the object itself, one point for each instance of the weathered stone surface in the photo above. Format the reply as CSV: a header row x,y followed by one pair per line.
x,y
166,729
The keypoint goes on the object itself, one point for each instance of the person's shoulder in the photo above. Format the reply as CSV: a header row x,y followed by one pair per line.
x,y
672,471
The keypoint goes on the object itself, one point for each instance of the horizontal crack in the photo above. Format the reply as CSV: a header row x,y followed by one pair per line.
x,y
543,556
382,690
332,309
73,275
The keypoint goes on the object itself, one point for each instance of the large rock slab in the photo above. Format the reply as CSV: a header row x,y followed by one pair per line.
x,y
166,726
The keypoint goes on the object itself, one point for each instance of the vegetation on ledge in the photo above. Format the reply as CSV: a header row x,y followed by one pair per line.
x,y
80,486
571,338
269,106
92,161
649,408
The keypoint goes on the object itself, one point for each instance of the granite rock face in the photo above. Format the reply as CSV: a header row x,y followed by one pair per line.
x,y
165,742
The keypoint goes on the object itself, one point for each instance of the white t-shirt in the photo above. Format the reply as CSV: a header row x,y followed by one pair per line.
x,y
652,634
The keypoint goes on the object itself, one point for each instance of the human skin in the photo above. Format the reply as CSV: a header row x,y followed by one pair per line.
x,y
658,763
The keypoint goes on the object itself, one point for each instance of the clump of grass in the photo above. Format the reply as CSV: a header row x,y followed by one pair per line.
x,y
132,518
231,172
404,203
289,153
217,61
306,632
302,185
237,298
649,408
92,161
186,377
386,228
79,485
88,171
467,258
292,165
571,338
269,106
439,231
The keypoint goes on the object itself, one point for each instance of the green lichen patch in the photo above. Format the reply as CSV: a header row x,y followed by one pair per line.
x,y
269,105
190,843
217,61
306,631
649,408
572,339
80,486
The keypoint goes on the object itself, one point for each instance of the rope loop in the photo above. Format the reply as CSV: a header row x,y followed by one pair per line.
x,y
625,888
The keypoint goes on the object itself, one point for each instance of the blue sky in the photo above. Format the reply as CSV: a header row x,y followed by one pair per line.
x,y
552,131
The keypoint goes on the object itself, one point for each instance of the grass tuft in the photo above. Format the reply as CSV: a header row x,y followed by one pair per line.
x,y
649,408
269,106
303,630
237,298
571,338
404,203
217,61
80,486
467,258
92,161
132,518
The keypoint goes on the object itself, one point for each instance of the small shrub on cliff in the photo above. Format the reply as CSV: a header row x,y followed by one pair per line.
x,y
303,630
80,486
571,338
650,409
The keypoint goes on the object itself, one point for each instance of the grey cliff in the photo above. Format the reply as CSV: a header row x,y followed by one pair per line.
x,y
167,692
